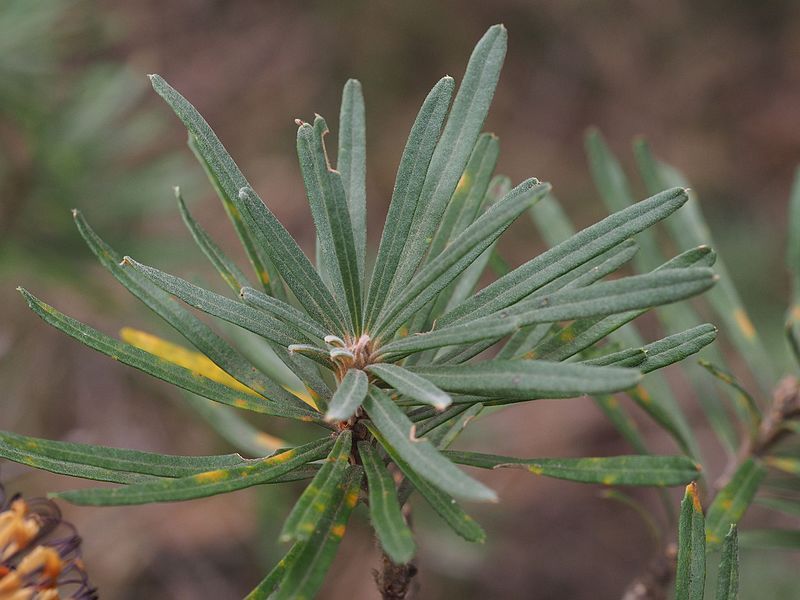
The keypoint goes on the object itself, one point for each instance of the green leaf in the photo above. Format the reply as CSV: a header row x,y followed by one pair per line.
x,y
691,576
234,429
444,505
675,348
498,187
294,266
428,419
688,228
331,214
262,228
728,574
304,575
227,269
621,420
523,379
583,333
632,357
144,361
453,150
411,385
351,162
776,539
588,273
786,506
561,259
287,313
208,483
267,585
348,396
219,306
463,208
66,458
267,276
459,254
407,189
446,434
615,191
658,471
732,501
384,508
787,464
746,402
195,331
420,454
316,498
604,298
555,227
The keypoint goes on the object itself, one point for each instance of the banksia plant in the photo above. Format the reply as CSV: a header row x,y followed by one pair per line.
x,y
387,363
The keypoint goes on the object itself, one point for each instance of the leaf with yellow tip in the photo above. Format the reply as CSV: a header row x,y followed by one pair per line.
x,y
691,573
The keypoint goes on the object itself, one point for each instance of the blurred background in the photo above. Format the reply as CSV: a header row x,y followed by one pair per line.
x,y
714,86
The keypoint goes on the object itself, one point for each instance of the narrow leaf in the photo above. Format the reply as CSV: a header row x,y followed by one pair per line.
x,y
208,483
444,505
407,189
728,574
227,269
384,508
331,214
315,499
411,385
304,576
348,396
691,576
675,348
219,352
658,471
689,228
420,454
561,259
283,311
732,501
462,252
529,379
144,361
219,306
114,459
293,265
605,298
453,149
352,164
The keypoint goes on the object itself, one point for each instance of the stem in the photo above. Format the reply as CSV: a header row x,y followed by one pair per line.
x,y
394,581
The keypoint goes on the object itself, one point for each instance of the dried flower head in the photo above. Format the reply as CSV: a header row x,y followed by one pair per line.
x,y
39,553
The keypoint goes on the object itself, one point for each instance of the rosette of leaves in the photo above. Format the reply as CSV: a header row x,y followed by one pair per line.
x,y
386,362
